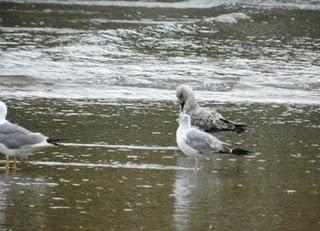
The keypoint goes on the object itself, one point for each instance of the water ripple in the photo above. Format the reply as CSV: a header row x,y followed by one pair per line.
x,y
112,165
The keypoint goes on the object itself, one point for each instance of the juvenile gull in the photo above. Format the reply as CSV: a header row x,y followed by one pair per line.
x,y
193,141
16,141
205,119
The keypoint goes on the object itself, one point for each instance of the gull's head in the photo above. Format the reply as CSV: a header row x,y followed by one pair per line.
x,y
3,111
184,120
184,92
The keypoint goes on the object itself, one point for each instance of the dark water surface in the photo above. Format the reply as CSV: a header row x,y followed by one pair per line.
x,y
103,74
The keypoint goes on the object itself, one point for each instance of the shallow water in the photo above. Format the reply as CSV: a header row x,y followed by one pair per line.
x,y
103,75
114,180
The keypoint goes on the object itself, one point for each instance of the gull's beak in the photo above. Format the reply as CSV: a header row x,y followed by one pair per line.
x,y
182,105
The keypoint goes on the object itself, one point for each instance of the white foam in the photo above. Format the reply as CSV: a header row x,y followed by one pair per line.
x,y
229,18
288,4
282,96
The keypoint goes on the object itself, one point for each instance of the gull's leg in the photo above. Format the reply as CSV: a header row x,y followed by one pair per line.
x,y
7,163
197,163
14,163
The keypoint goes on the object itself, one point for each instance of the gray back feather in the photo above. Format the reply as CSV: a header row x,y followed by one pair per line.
x,y
15,137
202,141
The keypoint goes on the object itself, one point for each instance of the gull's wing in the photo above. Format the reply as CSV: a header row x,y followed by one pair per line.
x,y
207,120
210,120
14,136
202,141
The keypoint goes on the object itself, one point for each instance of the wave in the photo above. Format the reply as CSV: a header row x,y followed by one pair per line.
x,y
200,4
284,4
194,4
216,55
282,96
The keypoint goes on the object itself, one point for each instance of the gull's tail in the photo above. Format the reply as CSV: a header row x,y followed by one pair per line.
x,y
55,141
232,126
240,151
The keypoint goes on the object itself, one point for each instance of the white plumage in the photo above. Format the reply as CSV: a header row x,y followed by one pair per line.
x,y
193,141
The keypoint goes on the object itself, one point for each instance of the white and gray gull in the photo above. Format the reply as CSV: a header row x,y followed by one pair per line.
x,y
194,142
203,118
16,141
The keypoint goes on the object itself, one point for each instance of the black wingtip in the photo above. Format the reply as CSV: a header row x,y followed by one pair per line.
x,y
239,128
240,151
55,141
